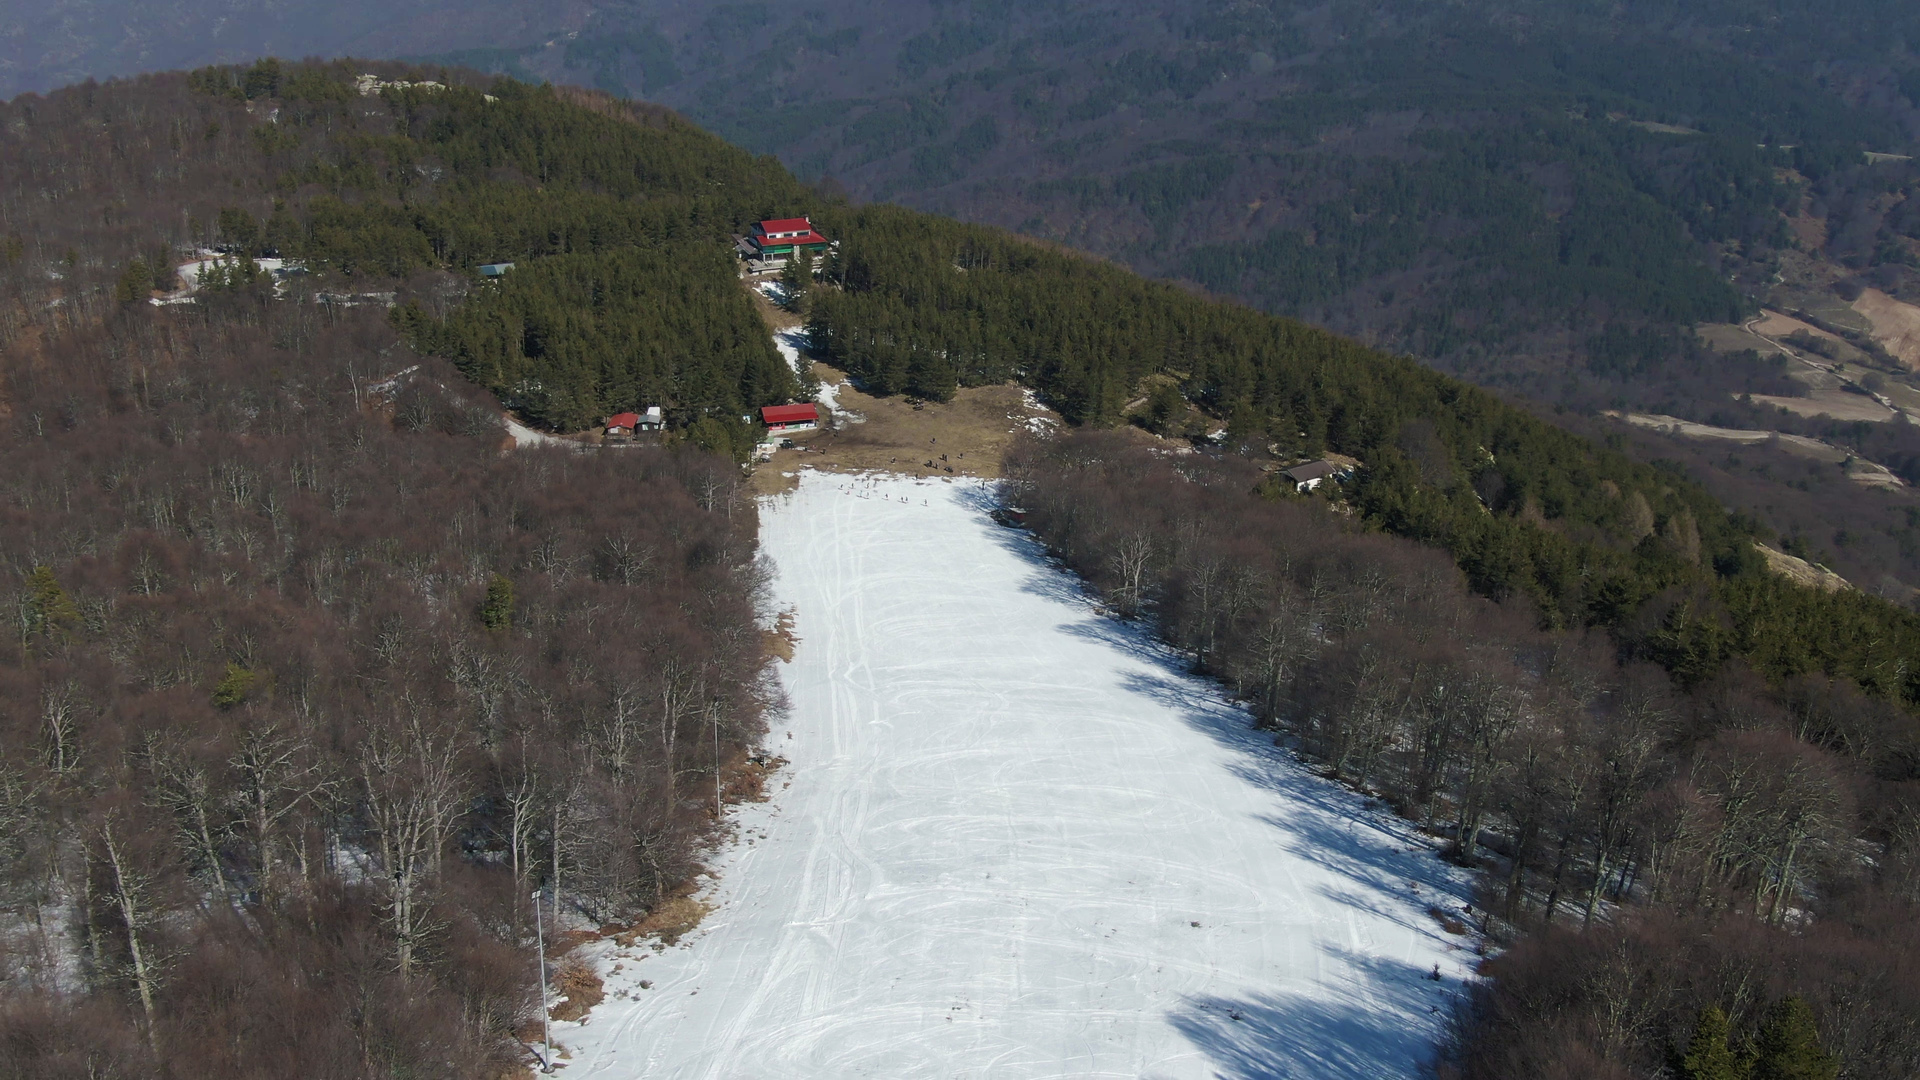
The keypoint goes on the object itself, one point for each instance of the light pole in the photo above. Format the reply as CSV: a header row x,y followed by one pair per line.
x,y
713,710
546,1022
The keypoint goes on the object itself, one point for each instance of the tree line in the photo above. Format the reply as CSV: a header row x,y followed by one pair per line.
x,y
921,305
1653,851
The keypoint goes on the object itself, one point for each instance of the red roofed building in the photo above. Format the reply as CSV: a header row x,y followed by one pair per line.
x,y
773,242
790,417
620,424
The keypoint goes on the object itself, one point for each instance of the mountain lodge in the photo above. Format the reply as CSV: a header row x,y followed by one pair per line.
x,y
772,243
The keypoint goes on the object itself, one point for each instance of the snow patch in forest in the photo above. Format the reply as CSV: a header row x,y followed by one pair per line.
x,y
1040,420
789,342
829,396
1015,839
524,436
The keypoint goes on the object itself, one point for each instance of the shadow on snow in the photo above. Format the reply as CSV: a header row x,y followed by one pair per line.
x,y
1281,1034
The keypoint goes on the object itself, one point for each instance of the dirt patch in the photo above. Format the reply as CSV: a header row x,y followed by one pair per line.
x,y
780,641
1662,129
1802,571
1896,325
1773,324
776,317
576,979
1809,230
967,436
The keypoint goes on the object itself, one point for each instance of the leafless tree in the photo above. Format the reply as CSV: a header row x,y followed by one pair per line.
x,y
413,791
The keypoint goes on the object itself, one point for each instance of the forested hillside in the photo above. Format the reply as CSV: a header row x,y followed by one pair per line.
x,y
1488,185
310,684
1540,197
1686,872
1590,536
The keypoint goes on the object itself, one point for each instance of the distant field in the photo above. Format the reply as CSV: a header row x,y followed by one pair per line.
x,y
1838,404
1896,325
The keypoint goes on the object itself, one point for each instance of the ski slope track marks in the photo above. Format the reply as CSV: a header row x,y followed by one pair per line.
x,y
1016,840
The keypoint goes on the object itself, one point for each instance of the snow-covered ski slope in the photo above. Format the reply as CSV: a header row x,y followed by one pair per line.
x,y
1019,842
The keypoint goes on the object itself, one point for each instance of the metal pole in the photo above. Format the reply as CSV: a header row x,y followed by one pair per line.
x,y
715,711
546,1022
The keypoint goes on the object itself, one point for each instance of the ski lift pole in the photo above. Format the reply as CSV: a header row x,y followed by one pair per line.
x,y
713,710
546,1022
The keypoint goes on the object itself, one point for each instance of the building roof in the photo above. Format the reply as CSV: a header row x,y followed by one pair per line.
x,y
789,414
789,241
792,224
1312,470
625,419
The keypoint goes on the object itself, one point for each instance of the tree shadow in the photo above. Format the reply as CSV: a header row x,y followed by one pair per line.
x,y
1277,1035
1381,863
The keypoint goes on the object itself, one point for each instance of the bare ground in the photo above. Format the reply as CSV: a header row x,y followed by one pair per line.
x,y
1801,571
1838,404
967,436
1859,470
1896,325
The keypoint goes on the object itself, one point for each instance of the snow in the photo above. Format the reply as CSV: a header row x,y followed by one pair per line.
x,y
189,274
1040,423
524,436
829,396
788,342
1015,840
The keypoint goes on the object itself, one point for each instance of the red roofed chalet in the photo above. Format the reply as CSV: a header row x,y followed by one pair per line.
x,y
774,241
622,423
790,417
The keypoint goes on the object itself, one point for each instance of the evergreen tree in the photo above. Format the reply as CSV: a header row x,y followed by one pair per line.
x,y
1710,1055
796,280
1789,1046
134,283
496,612
50,612
234,686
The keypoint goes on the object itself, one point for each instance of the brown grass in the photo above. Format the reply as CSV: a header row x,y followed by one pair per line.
x,y
1896,325
777,318
669,921
1447,921
780,641
576,979
967,436
745,779
1802,571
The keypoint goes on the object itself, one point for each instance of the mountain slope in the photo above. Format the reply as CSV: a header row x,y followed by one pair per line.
x,y
1017,838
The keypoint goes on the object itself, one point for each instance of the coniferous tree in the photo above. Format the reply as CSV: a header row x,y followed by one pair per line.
x,y
1710,1055
1789,1046
496,612
50,612
796,281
